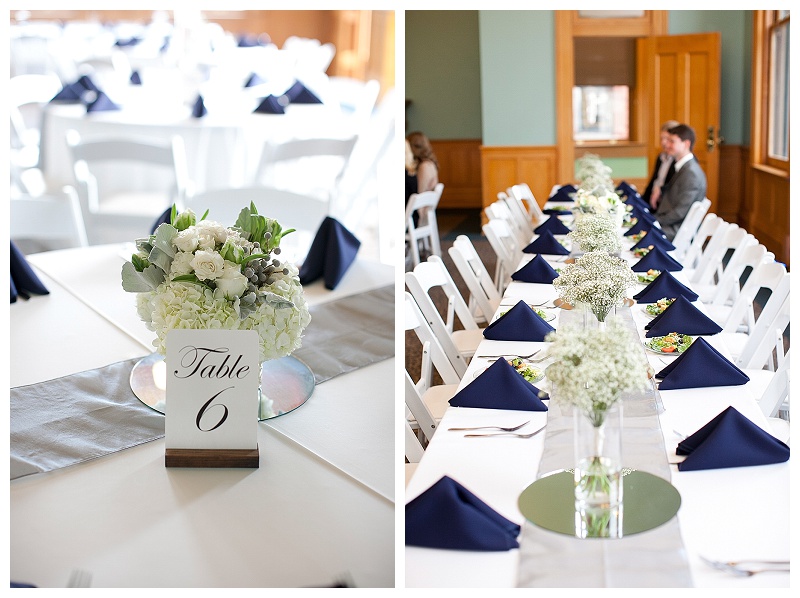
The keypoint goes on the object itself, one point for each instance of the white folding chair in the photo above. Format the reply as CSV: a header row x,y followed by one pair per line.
x,y
505,247
426,402
499,210
774,399
432,275
309,166
426,229
764,346
292,210
735,275
54,220
712,266
712,253
704,232
688,228
27,95
125,184
414,451
484,297
522,193
518,211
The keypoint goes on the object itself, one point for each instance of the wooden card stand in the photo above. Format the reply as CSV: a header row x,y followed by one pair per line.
x,y
211,458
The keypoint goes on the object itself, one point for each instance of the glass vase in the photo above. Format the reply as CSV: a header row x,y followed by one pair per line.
x,y
598,457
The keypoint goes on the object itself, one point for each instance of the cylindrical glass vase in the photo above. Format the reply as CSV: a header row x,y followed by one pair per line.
x,y
598,457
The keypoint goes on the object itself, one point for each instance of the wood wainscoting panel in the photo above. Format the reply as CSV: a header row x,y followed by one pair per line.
x,y
460,171
733,160
507,166
769,216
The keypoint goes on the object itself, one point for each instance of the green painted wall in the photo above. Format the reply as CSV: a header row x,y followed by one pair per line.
x,y
491,74
443,74
518,77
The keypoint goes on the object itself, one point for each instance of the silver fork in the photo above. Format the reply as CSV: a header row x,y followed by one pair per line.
x,y
545,357
514,429
733,566
509,434
509,355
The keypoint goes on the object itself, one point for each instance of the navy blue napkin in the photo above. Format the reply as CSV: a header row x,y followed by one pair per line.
x,y
568,188
546,243
730,440
563,194
23,278
16,584
552,224
86,82
127,43
639,226
665,285
552,212
332,252
683,317
165,218
638,203
252,41
500,386
537,270
300,94
700,366
626,189
657,238
199,108
136,78
102,103
73,92
447,515
520,323
270,105
657,259
642,215
254,80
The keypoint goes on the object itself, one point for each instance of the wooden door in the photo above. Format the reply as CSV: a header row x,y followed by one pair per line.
x,y
682,82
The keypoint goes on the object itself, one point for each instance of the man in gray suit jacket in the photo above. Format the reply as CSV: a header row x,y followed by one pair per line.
x,y
686,186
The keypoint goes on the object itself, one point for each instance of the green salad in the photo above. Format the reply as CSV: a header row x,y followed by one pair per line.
x,y
648,276
659,306
530,374
670,343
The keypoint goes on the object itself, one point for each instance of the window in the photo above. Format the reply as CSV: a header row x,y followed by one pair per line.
x,y
778,136
600,112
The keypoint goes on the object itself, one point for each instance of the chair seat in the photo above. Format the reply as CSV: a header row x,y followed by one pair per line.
x,y
734,341
467,341
437,398
759,380
410,469
718,313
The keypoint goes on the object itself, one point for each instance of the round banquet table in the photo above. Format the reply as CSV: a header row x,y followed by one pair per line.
x,y
319,510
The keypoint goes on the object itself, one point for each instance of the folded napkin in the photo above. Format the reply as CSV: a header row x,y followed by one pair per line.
x,y
73,92
563,194
642,215
552,224
447,515
657,259
500,386
636,202
300,94
626,189
86,82
199,108
552,212
700,366
271,105
537,270
23,278
520,323
639,226
683,317
251,41
165,218
101,103
332,252
665,285
730,440
254,80
127,43
656,238
136,78
546,243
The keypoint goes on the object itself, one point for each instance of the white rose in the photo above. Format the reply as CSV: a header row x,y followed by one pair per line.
x,y
232,283
217,230
181,264
207,265
186,240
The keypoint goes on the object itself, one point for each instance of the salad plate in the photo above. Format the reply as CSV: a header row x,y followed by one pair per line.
x,y
523,367
657,308
648,276
670,344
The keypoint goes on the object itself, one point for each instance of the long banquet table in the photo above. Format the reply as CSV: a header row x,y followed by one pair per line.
x,y
319,511
725,514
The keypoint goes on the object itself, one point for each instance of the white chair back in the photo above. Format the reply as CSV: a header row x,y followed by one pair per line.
x,y
414,448
777,393
718,256
427,228
688,228
522,192
765,343
483,292
519,211
500,210
736,273
49,218
419,412
505,247
707,229
742,315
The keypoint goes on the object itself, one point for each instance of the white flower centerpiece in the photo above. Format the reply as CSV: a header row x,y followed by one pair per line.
x,y
595,232
591,371
596,279
200,274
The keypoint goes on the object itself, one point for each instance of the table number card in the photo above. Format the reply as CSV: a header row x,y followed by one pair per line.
x,y
212,398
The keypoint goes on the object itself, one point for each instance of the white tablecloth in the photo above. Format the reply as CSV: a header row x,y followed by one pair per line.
x,y
319,510
725,514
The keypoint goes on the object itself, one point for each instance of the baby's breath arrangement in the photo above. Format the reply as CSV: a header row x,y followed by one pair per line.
x,y
597,279
595,232
200,274
593,367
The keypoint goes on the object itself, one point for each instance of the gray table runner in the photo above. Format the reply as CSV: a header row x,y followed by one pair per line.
x,y
94,413
655,558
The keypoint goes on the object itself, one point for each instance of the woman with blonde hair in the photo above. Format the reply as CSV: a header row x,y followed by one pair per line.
x,y
423,163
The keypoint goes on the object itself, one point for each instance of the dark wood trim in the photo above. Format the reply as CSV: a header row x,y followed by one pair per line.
x,y
247,458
